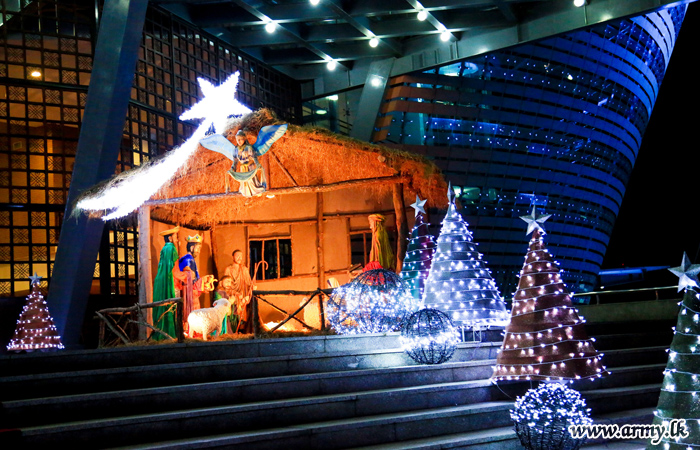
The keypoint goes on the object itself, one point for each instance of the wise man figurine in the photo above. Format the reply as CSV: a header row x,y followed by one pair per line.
x,y
187,277
164,286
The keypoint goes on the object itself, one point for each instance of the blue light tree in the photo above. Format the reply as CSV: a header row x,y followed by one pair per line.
x,y
459,283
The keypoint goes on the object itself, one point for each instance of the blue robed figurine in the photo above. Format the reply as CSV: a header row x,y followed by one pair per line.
x,y
246,168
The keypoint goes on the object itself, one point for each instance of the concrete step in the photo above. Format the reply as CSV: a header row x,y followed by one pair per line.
x,y
136,356
351,408
631,340
100,380
211,394
368,416
635,356
627,398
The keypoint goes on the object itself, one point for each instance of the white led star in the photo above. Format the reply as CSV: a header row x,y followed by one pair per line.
x,y
687,274
534,222
419,205
35,278
218,104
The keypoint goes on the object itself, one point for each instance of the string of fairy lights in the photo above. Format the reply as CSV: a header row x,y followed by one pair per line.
x,y
681,383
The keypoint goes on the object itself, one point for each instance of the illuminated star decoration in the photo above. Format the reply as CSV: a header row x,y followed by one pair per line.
x,y
219,103
534,222
419,205
687,274
35,278
127,194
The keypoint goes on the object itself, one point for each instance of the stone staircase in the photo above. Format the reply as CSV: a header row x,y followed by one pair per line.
x,y
329,392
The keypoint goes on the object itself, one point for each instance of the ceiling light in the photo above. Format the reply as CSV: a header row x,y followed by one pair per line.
x,y
35,73
373,42
321,111
579,3
314,2
332,98
422,15
445,36
270,27
331,65
376,81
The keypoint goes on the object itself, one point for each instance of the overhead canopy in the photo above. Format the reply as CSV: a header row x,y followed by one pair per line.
x,y
305,159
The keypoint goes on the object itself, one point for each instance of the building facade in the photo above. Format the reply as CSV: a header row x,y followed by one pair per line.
x,y
46,56
555,124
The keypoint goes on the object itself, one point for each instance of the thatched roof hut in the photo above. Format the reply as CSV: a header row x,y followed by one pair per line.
x,y
321,189
305,159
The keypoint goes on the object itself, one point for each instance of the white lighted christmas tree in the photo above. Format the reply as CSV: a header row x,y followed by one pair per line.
x,y
421,246
680,389
459,283
545,338
35,328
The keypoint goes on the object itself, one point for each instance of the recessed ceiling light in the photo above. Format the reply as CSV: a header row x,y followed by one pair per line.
x,y
332,98
314,2
35,73
445,36
373,42
321,111
579,3
331,65
376,81
270,27
422,15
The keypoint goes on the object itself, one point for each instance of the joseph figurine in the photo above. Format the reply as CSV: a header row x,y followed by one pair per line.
x,y
164,286
242,290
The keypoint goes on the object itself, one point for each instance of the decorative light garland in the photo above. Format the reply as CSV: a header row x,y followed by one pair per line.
x,y
545,339
459,284
542,417
35,329
681,384
429,337
377,301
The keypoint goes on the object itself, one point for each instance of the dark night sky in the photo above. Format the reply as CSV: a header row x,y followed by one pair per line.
x,y
660,218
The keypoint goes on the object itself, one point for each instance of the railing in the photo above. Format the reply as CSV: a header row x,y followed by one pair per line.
x,y
628,295
118,319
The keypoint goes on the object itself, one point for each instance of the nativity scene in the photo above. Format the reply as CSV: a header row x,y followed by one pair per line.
x,y
263,206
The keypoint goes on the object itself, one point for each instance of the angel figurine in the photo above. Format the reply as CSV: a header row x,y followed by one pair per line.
x,y
246,167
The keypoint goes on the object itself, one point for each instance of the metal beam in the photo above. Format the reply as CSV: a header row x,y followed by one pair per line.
x,y
116,53
371,99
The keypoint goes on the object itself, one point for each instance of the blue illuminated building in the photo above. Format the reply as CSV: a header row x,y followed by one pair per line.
x,y
555,123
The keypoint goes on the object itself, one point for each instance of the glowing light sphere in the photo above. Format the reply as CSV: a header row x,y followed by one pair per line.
x,y
542,417
377,301
429,337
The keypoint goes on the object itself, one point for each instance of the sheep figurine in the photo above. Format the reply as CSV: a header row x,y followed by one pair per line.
x,y
206,320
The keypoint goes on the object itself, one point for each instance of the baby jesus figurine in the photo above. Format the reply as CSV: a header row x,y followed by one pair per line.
x,y
245,167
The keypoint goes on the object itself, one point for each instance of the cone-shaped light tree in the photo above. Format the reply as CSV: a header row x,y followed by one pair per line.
x,y
35,328
419,254
680,389
459,283
545,339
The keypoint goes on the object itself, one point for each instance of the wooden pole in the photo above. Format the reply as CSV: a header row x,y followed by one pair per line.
x,y
320,263
145,271
401,225
349,184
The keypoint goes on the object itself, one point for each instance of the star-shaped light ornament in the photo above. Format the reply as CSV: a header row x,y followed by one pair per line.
x,y
219,103
534,221
687,274
419,205
34,278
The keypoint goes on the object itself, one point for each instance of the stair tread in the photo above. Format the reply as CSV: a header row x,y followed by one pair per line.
x,y
210,412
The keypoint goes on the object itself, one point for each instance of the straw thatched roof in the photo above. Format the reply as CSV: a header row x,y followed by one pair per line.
x,y
304,156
